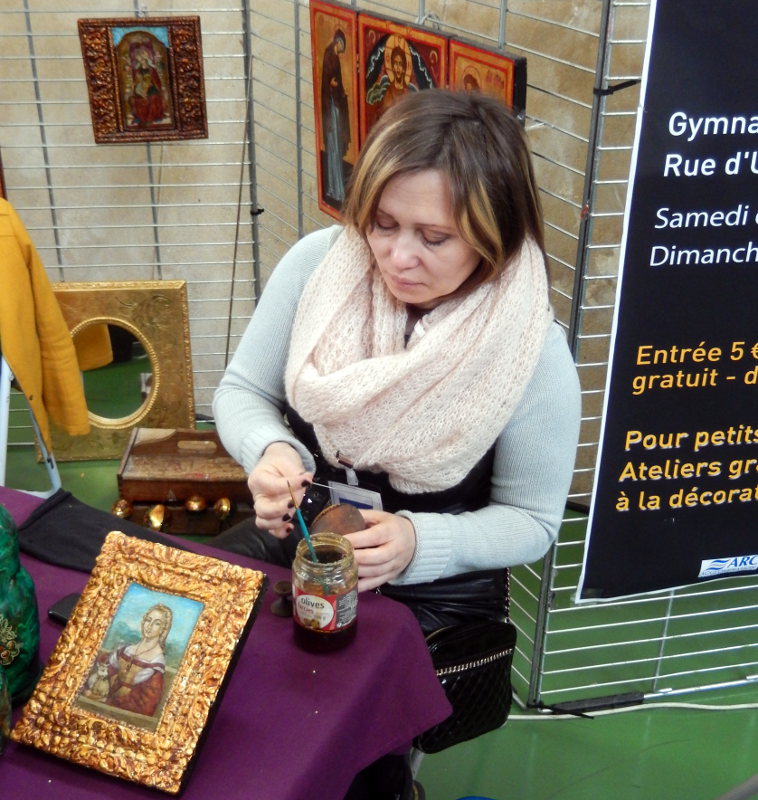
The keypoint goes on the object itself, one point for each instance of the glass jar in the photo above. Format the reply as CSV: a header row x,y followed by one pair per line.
x,y
325,593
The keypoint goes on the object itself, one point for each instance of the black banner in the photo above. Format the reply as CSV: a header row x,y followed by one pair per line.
x,y
676,492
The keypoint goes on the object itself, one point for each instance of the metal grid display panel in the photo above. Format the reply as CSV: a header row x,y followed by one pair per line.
x,y
653,646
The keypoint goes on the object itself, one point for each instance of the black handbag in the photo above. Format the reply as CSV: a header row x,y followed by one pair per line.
x,y
473,663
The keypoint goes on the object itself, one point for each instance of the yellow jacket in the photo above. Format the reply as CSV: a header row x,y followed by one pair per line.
x,y
34,337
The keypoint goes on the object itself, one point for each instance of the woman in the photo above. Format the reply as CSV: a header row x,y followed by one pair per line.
x,y
137,670
415,352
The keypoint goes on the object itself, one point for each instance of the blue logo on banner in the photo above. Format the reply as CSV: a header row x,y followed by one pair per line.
x,y
725,566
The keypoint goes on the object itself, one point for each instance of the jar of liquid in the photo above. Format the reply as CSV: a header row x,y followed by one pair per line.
x,y
325,593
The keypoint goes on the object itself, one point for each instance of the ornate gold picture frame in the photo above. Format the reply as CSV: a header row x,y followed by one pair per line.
x,y
131,683
145,78
149,316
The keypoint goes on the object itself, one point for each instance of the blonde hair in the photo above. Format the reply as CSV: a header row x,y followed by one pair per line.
x,y
482,148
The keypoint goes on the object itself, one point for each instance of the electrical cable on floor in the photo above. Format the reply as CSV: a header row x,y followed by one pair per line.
x,y
546,715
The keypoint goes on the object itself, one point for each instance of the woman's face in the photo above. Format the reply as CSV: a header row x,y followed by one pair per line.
x,y
415,240
152,624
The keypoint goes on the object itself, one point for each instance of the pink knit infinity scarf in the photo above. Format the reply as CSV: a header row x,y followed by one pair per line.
x,y
424,413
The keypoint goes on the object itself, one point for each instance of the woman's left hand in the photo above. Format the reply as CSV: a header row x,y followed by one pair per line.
x,y
384,549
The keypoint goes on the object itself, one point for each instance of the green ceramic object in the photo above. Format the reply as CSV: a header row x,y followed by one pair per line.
x,y
19,621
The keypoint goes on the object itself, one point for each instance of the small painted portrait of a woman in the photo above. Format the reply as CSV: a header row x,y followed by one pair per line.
x,y
140,654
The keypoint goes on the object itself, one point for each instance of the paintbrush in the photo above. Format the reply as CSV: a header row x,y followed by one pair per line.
x,y
303,527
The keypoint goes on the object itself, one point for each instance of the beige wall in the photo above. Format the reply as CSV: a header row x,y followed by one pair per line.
x,y
182,209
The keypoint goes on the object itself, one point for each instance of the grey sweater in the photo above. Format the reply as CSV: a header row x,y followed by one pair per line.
x,y
534,454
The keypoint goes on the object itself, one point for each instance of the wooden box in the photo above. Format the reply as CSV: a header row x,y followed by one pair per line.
x,y
172,466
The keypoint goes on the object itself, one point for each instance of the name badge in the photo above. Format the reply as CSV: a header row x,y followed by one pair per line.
x,y
355,495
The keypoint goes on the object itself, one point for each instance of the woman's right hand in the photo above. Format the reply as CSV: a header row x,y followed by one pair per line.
x,y
279,468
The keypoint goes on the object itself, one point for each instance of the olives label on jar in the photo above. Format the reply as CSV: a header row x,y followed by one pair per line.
x,y
327,613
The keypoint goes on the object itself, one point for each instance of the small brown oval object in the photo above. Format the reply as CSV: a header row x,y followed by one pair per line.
x,y
222,508
122,508
156,517
195,503
340,518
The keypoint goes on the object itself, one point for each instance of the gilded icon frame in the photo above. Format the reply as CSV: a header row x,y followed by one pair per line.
x,y
369,80
63,718
144,78
157,314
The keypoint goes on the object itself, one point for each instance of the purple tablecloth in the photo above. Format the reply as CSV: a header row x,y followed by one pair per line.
x,y
291,725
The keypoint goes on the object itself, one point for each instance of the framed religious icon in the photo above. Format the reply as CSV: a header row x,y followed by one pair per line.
x,y
395,59
142,662
334,44
498,74
145,78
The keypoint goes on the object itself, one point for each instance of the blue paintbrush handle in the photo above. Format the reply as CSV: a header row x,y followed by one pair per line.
x,y
306,535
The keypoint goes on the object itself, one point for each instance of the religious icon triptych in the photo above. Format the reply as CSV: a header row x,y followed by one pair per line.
x,y
362,64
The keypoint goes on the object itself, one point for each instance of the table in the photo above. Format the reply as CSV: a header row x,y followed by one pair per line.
x,y
291,724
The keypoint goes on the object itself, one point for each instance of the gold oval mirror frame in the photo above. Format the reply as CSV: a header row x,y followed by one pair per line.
x,y
122,348
156,314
